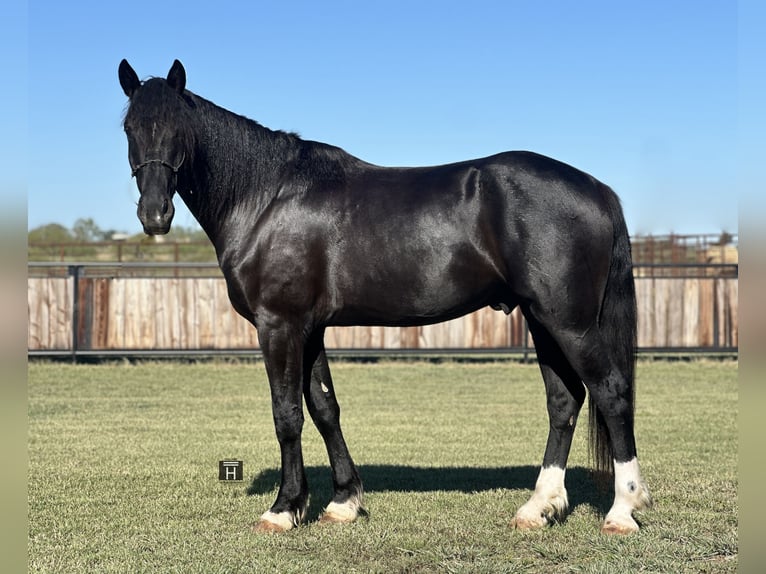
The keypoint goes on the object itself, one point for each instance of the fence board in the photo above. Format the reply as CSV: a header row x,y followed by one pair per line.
x,y
42,296
117,324
38,316
195,313
690,304
675,312
61,305
145,306
706,310
49,305
644,294
205,316
733,306
726,305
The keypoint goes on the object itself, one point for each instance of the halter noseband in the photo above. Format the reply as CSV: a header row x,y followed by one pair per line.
x,y
162,162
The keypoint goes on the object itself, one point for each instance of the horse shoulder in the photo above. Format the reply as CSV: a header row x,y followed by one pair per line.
x,y
279,267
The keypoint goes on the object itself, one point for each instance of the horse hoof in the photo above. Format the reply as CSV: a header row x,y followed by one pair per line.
x,y
522,523
336,513
268,527
619,528
271,522
327,518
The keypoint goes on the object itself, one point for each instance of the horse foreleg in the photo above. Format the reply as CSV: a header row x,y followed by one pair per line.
x,y
283,355
319,392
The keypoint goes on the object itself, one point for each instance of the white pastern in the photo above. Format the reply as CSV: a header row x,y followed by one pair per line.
x,y
277,522
548,503
343,512
630,494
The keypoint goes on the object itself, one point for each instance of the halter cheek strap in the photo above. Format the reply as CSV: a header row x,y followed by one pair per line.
x,y
162,162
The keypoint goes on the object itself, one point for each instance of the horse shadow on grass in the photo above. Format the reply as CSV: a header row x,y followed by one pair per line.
x,y
582,486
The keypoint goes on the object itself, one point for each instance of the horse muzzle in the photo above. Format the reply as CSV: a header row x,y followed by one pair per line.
x,y
156,215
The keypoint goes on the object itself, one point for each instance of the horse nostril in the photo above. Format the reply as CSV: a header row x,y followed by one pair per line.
x,y
164,206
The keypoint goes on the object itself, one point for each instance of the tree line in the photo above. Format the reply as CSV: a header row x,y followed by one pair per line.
x,y
86,230
86,241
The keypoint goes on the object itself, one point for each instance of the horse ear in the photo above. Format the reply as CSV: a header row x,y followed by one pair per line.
x,y
128,79
177,77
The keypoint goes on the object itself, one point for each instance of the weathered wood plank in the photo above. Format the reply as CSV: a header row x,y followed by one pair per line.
x,y
644,291
705,314
675,312
195,313
733,306
691,313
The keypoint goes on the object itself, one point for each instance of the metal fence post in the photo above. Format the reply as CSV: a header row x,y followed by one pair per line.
x,y
75,271
716,310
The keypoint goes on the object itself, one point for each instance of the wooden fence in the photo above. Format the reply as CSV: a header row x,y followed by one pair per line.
x,y
76,313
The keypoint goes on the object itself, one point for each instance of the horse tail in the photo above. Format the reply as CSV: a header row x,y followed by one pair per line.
x,y
618,325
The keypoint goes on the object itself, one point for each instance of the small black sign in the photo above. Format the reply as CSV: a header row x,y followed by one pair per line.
x,y
230,470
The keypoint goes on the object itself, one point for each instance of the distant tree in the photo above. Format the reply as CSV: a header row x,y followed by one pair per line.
x,y
724,239
108,234
50,233
198,235
85,229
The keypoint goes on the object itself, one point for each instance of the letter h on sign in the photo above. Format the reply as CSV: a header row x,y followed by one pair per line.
x,y
230,470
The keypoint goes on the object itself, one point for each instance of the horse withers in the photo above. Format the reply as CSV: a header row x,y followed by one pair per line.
x,y
308,236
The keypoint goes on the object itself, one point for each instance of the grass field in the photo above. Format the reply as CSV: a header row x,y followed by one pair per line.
x,y
123,471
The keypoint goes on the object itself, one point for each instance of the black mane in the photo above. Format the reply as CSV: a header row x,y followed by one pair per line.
x,y
218,142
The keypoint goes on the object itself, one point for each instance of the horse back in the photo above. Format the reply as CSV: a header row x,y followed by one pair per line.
x,y
400,246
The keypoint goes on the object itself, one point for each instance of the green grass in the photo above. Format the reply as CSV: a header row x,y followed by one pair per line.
x,y
123,463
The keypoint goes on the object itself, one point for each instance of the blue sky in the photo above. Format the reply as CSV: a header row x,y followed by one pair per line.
x,y
642,95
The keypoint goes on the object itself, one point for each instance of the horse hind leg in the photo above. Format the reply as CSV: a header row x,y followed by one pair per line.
x,y
630,494
347,502
611,395
565,395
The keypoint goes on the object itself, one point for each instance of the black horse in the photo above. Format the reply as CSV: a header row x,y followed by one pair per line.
x,y
308,236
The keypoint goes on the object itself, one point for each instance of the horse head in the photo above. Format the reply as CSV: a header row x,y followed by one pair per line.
x,y
157,145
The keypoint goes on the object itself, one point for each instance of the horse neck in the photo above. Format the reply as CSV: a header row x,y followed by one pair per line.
x,y
236,167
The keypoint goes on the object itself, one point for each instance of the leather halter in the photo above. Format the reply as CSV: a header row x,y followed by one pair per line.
x,y
162,162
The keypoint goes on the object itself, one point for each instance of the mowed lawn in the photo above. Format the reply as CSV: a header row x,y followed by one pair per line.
x,y
123,471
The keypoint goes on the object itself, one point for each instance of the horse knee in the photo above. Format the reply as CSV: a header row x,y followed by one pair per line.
x,y
288,422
